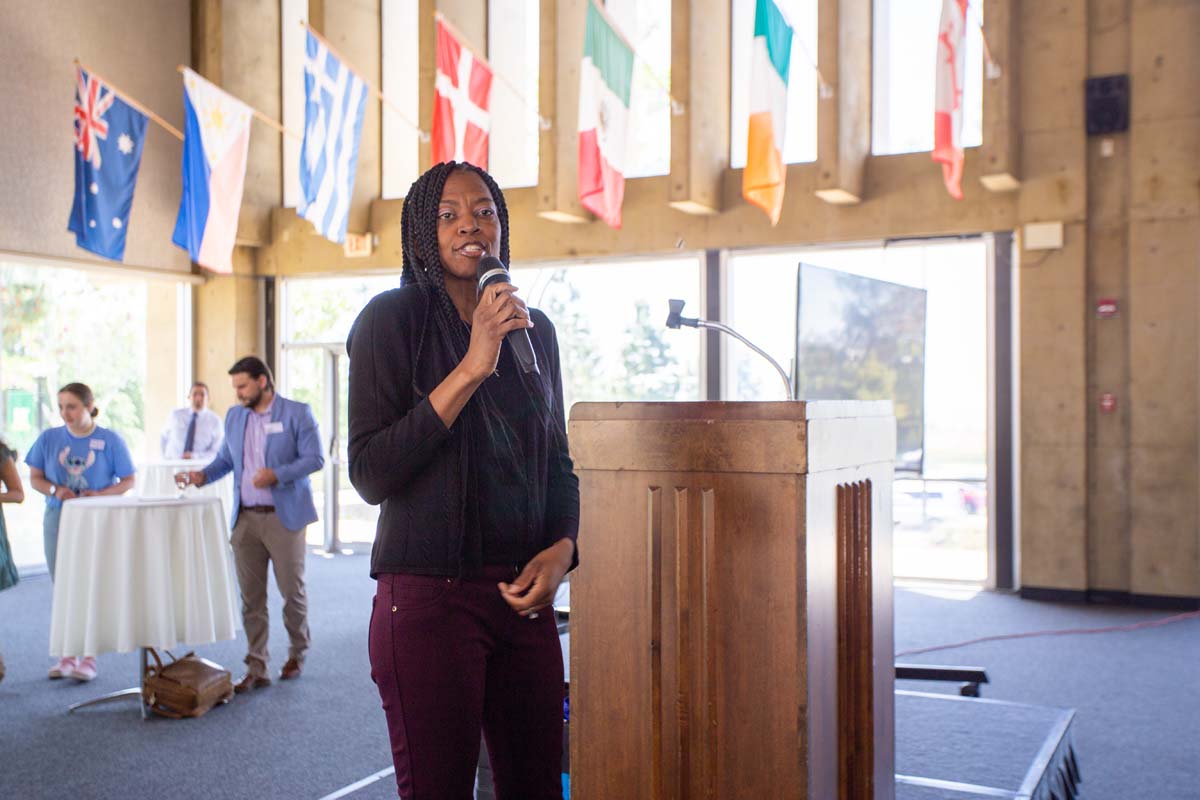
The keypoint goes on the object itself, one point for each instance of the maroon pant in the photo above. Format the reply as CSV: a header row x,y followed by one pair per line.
x,y
451,657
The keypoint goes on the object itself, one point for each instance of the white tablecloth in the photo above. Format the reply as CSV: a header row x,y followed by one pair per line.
x,y
157,479
140,572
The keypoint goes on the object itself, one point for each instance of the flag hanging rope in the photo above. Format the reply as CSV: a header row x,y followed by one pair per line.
x,y
824,87
991,67
171,129
371,87
260,116
543,122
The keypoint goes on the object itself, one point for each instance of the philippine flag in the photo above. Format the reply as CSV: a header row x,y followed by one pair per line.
x,y
216,140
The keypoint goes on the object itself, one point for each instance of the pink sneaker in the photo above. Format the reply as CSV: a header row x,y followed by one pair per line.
x,y
85,669
64,667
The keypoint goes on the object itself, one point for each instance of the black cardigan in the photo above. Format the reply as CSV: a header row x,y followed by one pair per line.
x,y
403,457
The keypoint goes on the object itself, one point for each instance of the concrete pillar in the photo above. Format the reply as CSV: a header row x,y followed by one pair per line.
x,y
353,27
1053,299
844,120
1108,339
162,354
250,59
1000,153
226,326
1164,245
561,35
700,57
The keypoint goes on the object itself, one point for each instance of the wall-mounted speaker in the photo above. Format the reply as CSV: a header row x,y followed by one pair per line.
x,y
1107,100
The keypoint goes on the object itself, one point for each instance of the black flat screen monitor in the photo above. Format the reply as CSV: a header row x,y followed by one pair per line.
x,y
864,339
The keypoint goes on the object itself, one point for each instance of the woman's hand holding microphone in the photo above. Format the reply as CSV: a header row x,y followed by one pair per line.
x,y
498,312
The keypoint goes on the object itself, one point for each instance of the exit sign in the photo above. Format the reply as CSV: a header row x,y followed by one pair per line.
x,y
358,245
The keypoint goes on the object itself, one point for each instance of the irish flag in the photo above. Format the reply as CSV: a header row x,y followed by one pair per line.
x,y
947,104
770,54
605,80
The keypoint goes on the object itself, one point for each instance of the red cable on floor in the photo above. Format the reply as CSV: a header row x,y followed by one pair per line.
x,y
1154,623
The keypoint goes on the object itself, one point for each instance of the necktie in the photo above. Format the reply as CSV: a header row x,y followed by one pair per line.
x,y
190,439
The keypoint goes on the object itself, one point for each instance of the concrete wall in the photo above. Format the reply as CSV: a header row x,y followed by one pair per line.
x,y
1108,502
134,43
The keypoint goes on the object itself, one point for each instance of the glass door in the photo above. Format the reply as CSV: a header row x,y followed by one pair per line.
x,y
315,315
318,374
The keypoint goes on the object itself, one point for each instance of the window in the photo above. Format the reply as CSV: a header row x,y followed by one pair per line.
x,y
317,315
610,321
647,26
400,30
61,325
905,51
800,141
940,515
513,52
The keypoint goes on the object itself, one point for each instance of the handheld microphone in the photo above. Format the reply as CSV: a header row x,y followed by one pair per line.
x,y
491,271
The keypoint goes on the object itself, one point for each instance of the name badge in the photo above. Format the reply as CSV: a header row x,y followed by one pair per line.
x,y
274,427
96,444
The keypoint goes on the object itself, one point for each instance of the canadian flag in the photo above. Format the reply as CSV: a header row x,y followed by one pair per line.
x,y
462,93
948,97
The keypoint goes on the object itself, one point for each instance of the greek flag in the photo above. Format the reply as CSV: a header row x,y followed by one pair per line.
x,y
333,115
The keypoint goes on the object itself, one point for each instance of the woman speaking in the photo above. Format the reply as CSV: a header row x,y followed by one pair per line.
x,y
467,453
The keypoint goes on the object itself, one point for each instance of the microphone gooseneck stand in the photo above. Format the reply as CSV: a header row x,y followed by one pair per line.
x,y
675,320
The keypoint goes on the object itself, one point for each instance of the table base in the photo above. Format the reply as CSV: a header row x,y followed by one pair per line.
x,y
121,694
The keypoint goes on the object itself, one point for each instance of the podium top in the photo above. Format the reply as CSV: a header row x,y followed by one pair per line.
x,y
776,437
733,410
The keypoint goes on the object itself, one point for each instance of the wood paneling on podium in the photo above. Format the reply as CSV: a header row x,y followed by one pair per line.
x,y
726,641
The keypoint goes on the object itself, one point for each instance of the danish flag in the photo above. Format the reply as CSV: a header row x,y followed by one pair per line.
x,y
461,119
90,104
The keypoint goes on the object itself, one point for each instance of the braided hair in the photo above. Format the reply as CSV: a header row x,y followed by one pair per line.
x,y
423,267
419,242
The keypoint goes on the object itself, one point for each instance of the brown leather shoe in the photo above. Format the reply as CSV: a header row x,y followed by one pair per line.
x,y
250,682
291,669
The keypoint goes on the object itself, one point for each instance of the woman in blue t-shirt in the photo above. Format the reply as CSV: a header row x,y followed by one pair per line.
x,y
79,459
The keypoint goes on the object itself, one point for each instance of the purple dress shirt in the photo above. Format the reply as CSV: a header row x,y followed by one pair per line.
x,y
254,455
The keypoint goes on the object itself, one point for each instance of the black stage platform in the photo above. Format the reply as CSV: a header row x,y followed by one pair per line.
x,y
966,748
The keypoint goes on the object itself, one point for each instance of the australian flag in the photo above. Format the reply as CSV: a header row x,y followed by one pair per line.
x,y
108,151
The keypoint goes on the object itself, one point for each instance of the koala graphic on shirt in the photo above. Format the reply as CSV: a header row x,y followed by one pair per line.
x,y
75,467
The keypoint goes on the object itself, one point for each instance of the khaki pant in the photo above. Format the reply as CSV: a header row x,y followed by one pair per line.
x,y
257,539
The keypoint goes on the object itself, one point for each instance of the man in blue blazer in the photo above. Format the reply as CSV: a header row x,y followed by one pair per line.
x,y
271,446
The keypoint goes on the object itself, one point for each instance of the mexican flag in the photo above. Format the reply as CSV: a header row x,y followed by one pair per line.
x,y
947,104
605,80
770,55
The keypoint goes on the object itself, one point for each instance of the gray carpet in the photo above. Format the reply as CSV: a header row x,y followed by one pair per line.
x,y
1135,694
299,739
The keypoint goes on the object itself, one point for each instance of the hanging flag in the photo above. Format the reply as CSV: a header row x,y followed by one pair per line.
x,y
947,104
215,142
605,82
108,151
462,95
335,98
770,55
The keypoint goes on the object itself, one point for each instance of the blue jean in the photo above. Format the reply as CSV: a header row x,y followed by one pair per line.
x,y
50,536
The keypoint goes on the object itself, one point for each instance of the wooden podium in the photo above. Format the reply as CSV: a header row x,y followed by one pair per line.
x,y
731,620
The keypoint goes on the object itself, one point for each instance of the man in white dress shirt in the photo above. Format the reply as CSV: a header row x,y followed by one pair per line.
x,y
193,431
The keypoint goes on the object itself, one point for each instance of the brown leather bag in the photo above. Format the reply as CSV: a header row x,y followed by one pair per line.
x,y
186,687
